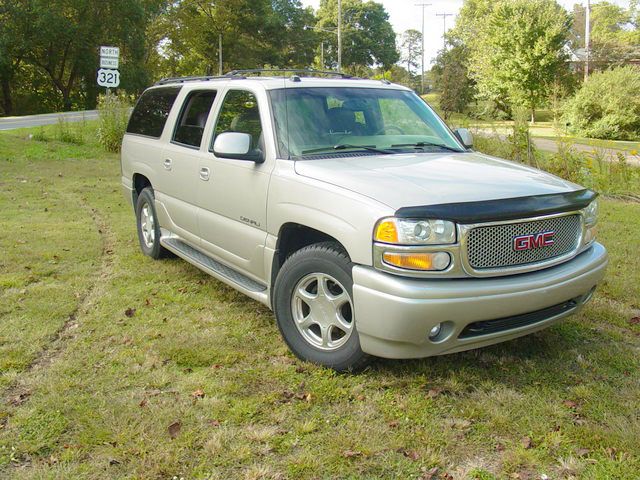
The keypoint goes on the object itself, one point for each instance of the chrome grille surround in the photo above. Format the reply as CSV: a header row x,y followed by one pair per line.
x,y
487,248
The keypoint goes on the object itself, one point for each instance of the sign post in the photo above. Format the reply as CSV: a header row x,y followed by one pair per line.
x,y
108,74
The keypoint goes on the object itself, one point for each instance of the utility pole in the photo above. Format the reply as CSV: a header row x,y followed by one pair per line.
x,y
322,55
444,26
220,54
423,5
339,35
587,41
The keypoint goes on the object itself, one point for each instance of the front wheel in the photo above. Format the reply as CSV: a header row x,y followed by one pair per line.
x,y
313,303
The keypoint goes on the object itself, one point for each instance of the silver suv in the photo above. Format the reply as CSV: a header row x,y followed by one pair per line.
x,y
349,208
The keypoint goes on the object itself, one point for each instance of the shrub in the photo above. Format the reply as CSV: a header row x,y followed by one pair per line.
x,y
607,106
113,111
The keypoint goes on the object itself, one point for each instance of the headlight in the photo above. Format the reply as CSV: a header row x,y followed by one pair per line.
x,y
408,231
591,214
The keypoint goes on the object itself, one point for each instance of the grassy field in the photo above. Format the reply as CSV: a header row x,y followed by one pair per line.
x,y
116,366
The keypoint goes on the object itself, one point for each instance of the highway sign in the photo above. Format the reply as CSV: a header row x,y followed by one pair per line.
x,y
112,52
108,78
109,62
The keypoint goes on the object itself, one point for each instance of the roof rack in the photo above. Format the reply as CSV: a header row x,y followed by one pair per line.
x,y
303,71
166,81
240,74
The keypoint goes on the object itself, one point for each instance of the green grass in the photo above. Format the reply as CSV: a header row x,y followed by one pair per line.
x,y
89,392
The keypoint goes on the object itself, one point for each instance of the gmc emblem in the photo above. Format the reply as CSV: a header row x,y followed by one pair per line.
x,y
532,241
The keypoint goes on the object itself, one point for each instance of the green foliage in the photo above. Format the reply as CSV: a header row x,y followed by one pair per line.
x,y
615,36
368,37
607,106
452,79
255,33
113,110
411,49
518,51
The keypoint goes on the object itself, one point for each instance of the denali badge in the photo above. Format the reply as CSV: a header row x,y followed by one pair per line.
x,y
535,240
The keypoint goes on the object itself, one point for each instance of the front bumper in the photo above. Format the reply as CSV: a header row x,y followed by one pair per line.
x,y
394,315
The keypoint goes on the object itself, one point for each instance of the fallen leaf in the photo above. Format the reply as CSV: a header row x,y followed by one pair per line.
x,y
582,452
611,452
634,321
147,302
351,454
174,429
214,423
130,312
526,442
570,404
429,474
143,403
412,454
199,393
393,423
434,392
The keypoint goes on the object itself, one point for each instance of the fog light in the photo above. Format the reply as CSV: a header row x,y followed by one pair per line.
x,y
435,331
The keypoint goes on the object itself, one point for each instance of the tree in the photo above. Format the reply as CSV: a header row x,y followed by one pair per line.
x,y
411,46
255,33
615,33
607,106
452,79
60,39
368,37
518,51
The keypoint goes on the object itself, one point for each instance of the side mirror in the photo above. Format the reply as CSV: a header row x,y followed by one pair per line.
x,y
237,146
465,137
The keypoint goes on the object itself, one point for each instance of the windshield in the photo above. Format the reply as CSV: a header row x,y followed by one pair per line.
x,y
321,121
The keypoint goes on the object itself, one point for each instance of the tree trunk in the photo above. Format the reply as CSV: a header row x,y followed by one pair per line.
x,y
7,102
533,116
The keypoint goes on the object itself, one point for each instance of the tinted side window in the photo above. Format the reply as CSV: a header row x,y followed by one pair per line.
x,y
151,112
240,113
193,117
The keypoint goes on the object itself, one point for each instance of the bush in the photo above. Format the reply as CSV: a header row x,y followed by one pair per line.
x,y
607,106
113,110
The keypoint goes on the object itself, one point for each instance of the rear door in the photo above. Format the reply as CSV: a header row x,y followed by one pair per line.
x,y
180,163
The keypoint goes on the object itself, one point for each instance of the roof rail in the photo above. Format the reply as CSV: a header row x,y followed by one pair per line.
x,y
167,81
302,71
239,74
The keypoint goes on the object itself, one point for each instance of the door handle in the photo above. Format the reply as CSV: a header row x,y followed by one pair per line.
x,y
167,163
204,174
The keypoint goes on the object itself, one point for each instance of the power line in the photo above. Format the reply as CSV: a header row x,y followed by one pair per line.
x,y
423,5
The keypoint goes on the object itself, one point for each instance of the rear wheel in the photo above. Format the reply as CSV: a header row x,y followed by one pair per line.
x,y
148,225
313,303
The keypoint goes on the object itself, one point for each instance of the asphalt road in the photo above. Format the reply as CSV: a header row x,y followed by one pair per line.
x,y
12,123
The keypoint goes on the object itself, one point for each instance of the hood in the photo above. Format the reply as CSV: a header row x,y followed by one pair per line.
x,y
433,178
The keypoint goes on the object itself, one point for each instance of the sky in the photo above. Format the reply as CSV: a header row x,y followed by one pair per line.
x,y
405,15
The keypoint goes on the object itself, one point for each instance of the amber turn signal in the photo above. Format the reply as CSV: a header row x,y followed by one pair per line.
x,y
418,261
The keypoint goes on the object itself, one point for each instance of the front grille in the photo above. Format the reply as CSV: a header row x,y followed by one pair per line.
x,y
477,329
492,246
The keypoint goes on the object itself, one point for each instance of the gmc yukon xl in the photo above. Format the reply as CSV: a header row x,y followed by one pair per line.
x,y
349,208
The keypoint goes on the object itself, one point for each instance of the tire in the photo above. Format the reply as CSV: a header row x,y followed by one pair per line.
x,y
148,226
318,324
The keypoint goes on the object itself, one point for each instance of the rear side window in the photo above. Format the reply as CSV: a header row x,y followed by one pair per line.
x,y
193,117
151,112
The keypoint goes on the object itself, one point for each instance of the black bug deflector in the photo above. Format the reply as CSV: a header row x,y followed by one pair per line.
x,y
503,209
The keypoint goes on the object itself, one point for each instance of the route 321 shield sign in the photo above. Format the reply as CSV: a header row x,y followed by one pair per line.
x,y
108,78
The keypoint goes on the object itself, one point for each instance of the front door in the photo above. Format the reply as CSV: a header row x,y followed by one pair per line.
x,y
233,198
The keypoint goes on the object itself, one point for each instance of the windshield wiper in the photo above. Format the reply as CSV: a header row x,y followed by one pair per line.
x,y
345,146
427,144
